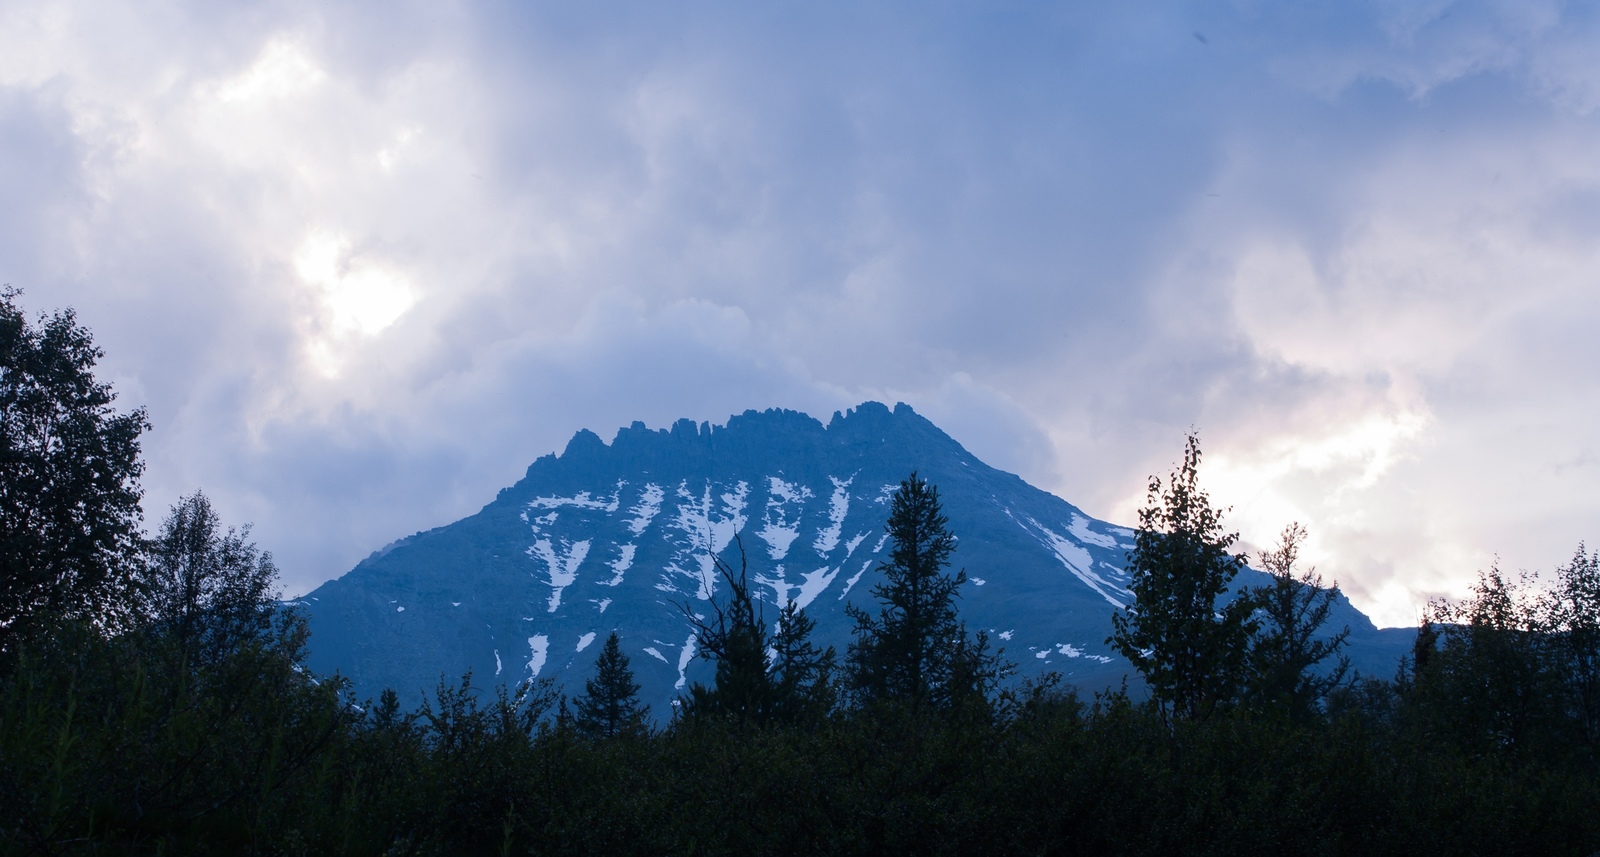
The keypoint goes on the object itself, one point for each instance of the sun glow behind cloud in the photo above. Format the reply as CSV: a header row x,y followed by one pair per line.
x,y
283,70
358,297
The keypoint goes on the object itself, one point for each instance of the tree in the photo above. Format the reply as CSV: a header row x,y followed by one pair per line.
x,y
211,590
801,673
69,480
1188,643
735,639
610,704
1489,683
760,677
916,650
1513,667
1572,609
1286,650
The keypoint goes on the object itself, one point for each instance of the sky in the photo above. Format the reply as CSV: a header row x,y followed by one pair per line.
x,y
364,262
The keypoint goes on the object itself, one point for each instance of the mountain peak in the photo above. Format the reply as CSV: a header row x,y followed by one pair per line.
x,y
584,444
621,537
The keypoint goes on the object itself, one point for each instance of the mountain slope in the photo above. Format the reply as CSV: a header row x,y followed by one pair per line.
x,y
619,537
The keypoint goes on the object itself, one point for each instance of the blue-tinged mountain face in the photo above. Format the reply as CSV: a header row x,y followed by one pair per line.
x,y
621,538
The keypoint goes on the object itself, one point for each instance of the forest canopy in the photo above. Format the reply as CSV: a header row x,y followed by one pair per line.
x,y
154,698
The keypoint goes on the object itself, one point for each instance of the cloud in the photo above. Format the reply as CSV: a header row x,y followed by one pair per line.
x,y
364,262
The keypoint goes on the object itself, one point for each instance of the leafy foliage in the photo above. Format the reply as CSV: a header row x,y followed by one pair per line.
x,y
1511,669
1572,622
210,590
124,741
1187,642
69,481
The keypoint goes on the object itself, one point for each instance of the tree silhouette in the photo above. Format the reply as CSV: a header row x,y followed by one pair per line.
x,y
760,677
210,589
916,650
1286,651
69,480
610,705
1189,647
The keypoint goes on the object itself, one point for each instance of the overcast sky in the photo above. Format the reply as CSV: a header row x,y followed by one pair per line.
x,y
364,262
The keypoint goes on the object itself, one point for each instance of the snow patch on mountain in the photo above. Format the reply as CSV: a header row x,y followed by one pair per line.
x,y
814,583
1072,651
850,584
538,649
850,546
1078,561
707,529
646,509
581,500
561,564
838,508
780,522
685,657
779,582
621,564
1079,528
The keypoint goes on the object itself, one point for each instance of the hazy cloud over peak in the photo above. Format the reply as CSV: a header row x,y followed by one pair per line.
x,y
364,262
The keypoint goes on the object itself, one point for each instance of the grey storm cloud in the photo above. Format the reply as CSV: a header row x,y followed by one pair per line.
x,y
364,262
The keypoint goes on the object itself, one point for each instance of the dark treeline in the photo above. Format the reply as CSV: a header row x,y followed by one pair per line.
x,y
153,700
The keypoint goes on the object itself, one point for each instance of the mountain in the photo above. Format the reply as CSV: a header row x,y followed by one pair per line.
x,y
619,537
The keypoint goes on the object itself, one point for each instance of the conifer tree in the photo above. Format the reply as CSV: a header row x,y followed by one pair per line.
x,y
759,677
916,650
735,638
1286,651
610,705
1188,643
802,674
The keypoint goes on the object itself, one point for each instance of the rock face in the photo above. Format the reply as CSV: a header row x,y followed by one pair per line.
x,y
620,538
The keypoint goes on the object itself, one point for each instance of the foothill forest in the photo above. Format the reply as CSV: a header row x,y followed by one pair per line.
x,y
155,699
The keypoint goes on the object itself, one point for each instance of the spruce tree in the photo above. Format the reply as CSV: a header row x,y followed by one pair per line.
x,y
915,650
1186,640
802,674
610,705
1287,651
